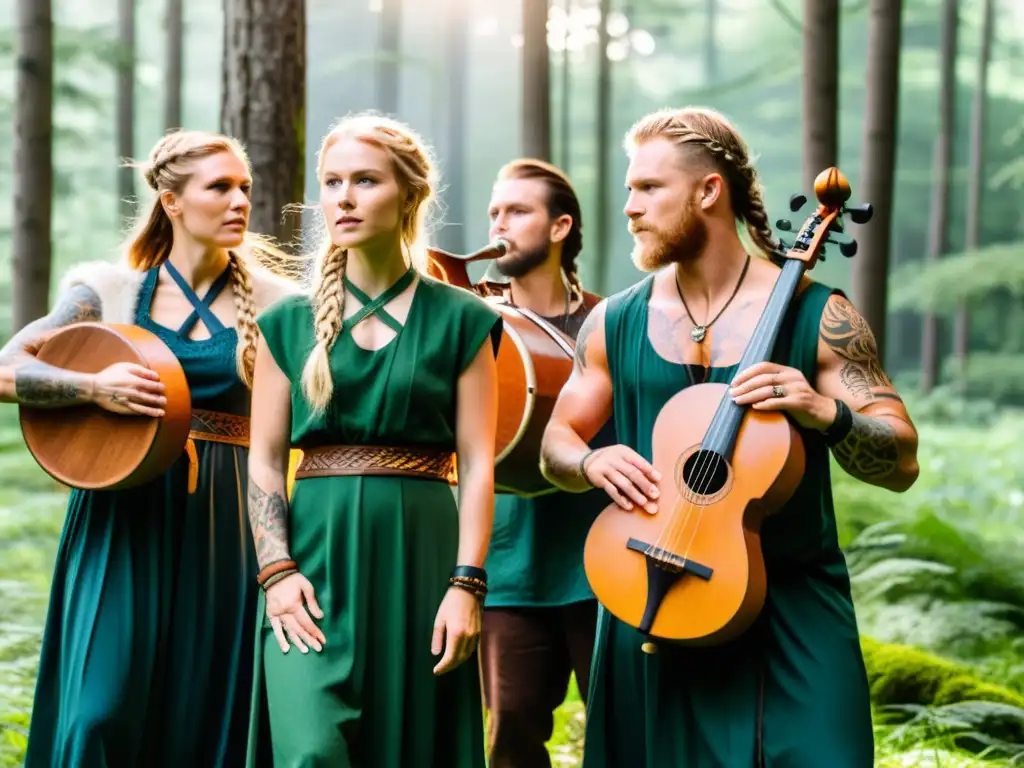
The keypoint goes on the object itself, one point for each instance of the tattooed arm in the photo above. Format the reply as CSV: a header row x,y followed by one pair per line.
x,y
288,595
25,380
881,446
269,428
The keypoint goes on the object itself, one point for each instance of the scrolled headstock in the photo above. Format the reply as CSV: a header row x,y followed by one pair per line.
x,y
832,189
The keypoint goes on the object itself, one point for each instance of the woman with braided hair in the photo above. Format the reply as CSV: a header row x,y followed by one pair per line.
x,y
791,692
147,650
387,381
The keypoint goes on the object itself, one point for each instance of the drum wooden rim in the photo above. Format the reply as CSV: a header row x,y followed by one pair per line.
x,y
531,389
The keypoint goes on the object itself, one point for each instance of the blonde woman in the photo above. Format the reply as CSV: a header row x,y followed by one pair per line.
x,y
372,575
147,650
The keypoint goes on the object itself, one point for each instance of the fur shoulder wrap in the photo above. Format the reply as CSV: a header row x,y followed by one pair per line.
x,y
115,283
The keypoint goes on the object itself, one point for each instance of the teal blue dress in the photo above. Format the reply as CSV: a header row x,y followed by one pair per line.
x,y
792,691
148,645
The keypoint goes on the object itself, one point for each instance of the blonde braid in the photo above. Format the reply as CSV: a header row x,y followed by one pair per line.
x,y
329,306
248,331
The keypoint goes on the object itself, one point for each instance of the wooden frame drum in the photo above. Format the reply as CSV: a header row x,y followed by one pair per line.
x,y
90,448
534,362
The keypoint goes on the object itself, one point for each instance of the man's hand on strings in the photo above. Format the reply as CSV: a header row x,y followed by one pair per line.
x,y
773,387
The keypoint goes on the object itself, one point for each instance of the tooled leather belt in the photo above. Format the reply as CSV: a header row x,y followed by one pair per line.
x,y
213,427
339,460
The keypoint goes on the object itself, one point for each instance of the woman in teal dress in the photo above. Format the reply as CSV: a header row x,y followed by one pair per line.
x,y
147,649
386,380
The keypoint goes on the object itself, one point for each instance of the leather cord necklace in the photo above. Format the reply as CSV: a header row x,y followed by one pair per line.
x,y
699,332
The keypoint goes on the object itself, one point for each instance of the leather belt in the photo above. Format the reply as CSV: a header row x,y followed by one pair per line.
x,y
338,460
213,427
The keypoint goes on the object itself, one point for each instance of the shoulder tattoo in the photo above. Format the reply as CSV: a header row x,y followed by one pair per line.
x,y
583,338
850,337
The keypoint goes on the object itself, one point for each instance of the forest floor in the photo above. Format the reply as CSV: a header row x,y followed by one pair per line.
x,y
940,568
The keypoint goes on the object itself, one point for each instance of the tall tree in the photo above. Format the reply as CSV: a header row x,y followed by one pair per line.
x,y
172,65
33,161
975,180
264,103
388,51
126,104
871,267
536,111
821,87
601,147
455,65
942,164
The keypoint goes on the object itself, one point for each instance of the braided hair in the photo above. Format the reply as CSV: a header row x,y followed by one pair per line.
x,y
717,140
414,170
170,165
562,201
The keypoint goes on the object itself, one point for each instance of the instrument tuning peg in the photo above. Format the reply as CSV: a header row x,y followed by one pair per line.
x,y
784,225
796,202
848,249
837,226
861,214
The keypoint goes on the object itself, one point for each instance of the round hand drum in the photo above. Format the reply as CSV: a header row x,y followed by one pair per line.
x,y
91,448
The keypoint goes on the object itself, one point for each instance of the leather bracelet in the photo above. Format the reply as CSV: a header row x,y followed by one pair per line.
x,y
583,464
840,426
280,576
273,568
469,572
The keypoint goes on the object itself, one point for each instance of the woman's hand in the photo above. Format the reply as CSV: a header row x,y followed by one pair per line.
x,y
456,628
129,389
287,613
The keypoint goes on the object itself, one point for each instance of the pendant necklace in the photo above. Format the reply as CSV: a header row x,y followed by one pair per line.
x,y
699,332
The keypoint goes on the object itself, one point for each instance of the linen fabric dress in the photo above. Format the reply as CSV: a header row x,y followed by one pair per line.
x,y
377,549
147,650
792,691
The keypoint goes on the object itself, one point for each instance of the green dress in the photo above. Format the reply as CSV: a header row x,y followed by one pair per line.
x,y
792,691
147,649
377,549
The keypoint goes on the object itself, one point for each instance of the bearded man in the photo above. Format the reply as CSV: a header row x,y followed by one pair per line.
x,y
791,692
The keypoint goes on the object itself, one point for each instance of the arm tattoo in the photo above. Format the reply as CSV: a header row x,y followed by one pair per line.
x,y
588,327
870,452
848,335
268,517
39,384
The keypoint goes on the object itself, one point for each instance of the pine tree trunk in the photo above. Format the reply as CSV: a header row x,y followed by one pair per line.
x,y
264,104
871,265
942,164
126,107
33,162
172,65
821,88
975,183
602,147
388,48
536,113
455,65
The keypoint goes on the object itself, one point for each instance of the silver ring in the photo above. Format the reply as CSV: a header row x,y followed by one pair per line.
x,y
778,391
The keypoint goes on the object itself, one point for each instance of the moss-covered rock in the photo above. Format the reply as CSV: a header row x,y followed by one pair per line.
x,y
901,674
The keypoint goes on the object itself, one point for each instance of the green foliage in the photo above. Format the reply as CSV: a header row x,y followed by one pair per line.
x,y
970,277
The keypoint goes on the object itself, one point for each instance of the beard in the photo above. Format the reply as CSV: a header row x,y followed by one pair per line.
x,y
683,241
522,263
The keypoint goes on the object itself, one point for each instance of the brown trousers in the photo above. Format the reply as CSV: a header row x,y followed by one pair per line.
x,y
527,657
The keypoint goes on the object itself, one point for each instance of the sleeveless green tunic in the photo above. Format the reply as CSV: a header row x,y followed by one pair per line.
x,y
377,549
791,692
147,649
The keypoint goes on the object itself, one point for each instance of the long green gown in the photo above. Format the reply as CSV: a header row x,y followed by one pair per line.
x,y
147,650
792,691
377,549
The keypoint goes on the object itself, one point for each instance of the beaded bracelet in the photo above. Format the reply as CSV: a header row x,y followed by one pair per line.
x,y
281,575
271,569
